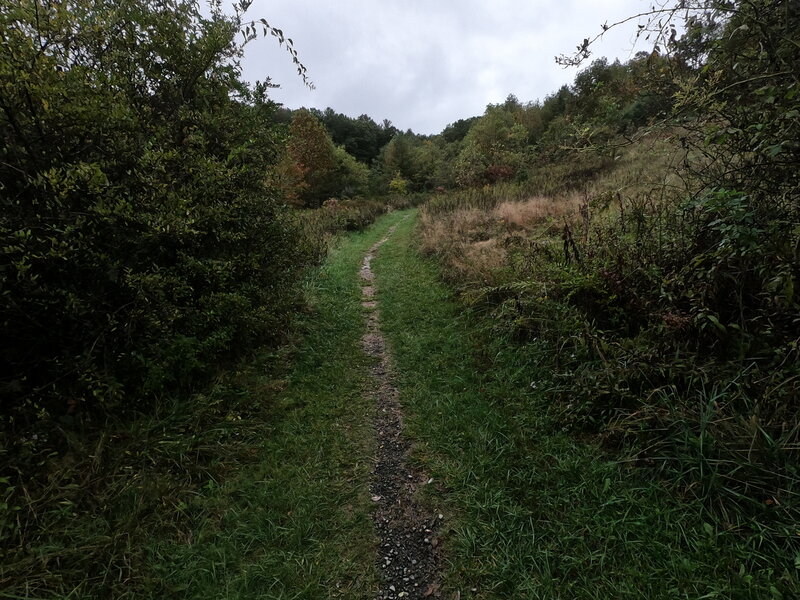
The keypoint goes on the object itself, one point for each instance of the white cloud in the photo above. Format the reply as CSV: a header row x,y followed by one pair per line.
x,y
426,63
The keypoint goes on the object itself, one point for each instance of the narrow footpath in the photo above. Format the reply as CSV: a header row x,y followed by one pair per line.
x,y
399,402
407,557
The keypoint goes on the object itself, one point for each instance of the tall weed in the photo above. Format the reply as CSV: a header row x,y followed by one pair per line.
x,y
669,326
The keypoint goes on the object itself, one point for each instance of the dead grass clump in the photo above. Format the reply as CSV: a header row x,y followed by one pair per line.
x,y
467,243
532,212
439,232
472,244
466,225
478,262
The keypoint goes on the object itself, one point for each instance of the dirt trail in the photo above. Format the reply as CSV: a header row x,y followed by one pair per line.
x,y
407,558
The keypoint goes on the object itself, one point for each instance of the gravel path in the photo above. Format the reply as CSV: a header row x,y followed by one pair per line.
x,y
408,540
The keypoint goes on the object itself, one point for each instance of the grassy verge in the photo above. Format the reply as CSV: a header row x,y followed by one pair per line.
x,y
297,525
532,512
255,489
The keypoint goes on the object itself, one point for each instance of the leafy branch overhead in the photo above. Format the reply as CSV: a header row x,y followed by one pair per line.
x,y
249,32
659,25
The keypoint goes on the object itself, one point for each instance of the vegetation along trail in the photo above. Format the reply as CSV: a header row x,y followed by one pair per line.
x,y
328,498
531,511
256,352
411,454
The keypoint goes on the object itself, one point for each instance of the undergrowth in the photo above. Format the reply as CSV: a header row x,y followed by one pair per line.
x,y
227,492
664,316
319,226
684,355
533,511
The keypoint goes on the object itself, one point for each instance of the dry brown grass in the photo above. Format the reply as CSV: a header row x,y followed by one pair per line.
x,y
478,262
472,244
532,213
465,242
472,233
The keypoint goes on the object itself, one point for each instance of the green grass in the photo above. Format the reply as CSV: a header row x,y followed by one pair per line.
x,y
261,490
532,512
256,488
297,525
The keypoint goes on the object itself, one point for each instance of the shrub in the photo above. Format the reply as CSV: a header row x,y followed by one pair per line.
x,y
140,244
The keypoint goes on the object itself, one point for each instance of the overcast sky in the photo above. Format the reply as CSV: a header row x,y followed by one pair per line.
x,y
423,64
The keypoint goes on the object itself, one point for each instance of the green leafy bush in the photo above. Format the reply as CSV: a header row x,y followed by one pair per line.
x,y
140,245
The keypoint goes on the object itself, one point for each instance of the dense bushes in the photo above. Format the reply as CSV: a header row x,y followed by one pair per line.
x,y
642,341
140,245
143,249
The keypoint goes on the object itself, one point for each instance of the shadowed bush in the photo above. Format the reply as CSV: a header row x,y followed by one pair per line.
x,y
141,250
665,307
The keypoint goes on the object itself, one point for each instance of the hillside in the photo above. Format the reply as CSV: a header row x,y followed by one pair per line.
x,y
254,351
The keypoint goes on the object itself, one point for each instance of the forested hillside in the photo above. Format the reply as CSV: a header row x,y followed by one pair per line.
x,y
630,241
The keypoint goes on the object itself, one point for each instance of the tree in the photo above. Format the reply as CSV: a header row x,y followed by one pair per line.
x,y
493,148
363,138
457,131
351,176
311,154
398,155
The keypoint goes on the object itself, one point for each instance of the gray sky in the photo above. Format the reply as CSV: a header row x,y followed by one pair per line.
x,y
425,63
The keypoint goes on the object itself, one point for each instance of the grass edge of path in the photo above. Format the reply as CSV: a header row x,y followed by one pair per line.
x,y
530,511
295,525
